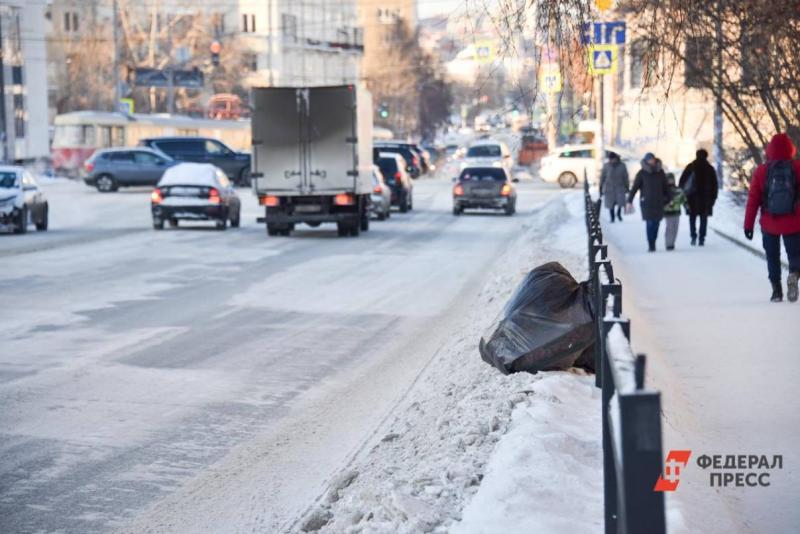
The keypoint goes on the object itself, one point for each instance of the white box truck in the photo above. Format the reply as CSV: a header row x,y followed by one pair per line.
x,y
312,156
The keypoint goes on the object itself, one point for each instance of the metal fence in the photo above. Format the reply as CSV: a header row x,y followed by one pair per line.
x,y
631,414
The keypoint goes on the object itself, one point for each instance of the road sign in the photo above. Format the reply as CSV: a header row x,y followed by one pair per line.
x,y
125,105
603,33
146,77
550,79
603,5
484,51
603,59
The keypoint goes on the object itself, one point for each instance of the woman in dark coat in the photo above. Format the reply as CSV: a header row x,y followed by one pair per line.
x,y
699,183
614,185
655,193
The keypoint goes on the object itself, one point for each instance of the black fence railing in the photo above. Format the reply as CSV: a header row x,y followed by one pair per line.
x,y
631,414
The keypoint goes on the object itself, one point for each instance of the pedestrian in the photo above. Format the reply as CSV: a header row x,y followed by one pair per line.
x,y
699,184
774,190
672,212
652,182
614,185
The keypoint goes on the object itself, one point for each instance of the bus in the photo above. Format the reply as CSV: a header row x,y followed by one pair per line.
x,y
78,134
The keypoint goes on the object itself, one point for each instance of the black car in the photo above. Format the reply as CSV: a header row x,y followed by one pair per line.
x,y
398,180
195,192
413,161
484,188
205,150
112,168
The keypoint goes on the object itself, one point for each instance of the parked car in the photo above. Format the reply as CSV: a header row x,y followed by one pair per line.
x,y
204,150
381,200
112,168
413,162
195,192
567,163
392,166
488,153
22,201
422,156
532,148
484,188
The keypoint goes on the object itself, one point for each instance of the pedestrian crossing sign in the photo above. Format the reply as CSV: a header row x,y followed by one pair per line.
x,y
603,59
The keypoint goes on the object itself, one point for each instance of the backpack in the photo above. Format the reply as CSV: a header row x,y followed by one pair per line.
x,y
780,189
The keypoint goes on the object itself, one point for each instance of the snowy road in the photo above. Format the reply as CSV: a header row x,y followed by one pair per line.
x,y
182,380
727,361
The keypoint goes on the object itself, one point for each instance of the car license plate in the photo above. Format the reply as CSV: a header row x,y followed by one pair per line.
x,y
308,208
183,191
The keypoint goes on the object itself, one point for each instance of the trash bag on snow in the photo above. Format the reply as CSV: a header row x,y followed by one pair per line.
x,y
547,324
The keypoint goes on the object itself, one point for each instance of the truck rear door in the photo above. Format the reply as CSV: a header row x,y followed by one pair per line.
x,y
332,137
279,150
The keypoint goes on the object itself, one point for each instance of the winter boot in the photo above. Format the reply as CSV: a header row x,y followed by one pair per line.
x,y
651,247
702,242
694,241
777,292
791,286
619,213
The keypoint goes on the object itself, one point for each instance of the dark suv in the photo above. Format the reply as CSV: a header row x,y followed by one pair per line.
x,y
204,150
413,163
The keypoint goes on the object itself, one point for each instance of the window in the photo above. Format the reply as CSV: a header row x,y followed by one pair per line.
x,y
251,61
8,179
248,23
642,66
122,157
577,154
219,25
756,54
19,116
145,158
388,167
16,75
484,151
215,148
70,21
477,175
289,25
182,148
698,63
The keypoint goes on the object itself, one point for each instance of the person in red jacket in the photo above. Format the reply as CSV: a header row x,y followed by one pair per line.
x,y
769,188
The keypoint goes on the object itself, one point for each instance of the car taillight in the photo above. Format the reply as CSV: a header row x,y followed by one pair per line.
x,y
344,199
157,196
458,190
269,201
89,166
416,161
397,176
506,190
377,189
213,196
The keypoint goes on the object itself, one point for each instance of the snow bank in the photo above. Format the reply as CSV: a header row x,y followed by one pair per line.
x,y
543,476
535,438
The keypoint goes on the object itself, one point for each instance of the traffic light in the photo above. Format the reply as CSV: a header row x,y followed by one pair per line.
x,y
215,49
383,110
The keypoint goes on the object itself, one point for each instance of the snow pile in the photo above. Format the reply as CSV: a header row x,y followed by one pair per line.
x,y
546,468
428,462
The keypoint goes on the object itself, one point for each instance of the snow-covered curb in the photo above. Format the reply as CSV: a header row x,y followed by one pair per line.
x,y
430,460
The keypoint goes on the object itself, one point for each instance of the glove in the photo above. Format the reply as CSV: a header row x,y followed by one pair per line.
x,y
748,234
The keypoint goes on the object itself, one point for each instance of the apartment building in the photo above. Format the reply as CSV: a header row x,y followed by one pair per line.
x,y
23,82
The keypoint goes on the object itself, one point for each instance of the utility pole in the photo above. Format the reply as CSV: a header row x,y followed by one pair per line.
x,y
270,40
719,153
117,94
3,130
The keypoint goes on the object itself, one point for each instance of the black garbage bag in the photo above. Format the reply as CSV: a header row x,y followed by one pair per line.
x,y
547,324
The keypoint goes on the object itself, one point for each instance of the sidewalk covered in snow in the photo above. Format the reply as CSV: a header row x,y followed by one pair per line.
x,y
728,364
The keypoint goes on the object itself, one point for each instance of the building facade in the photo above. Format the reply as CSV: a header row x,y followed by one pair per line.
x,y
23,82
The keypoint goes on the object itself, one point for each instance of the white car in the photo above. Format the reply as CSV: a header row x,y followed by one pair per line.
x,y
488,153
22,202
566,164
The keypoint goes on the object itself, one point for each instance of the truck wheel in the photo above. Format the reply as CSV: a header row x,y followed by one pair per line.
x,y
158,224
355,230
343,229
222,224
457,210
364,223
271,230
244,178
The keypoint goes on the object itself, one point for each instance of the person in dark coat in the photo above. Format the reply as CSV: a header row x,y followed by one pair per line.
x,y
655,193
699,183
773,227
614,185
